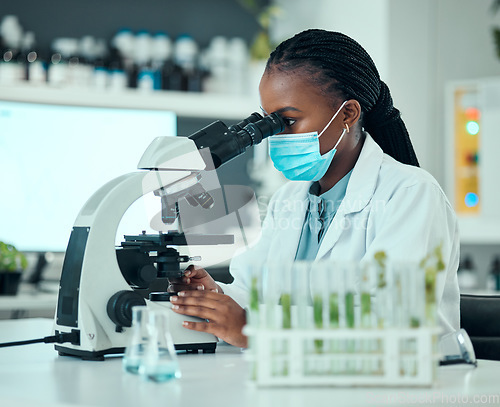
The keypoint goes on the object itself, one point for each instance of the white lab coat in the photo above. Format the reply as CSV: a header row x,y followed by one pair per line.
x,y
388,206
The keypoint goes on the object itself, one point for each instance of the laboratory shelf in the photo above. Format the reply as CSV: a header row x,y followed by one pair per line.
x,y
183,104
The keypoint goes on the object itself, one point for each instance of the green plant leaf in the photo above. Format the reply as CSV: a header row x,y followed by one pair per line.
x,y
11,259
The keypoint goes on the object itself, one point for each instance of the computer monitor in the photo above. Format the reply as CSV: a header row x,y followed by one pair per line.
x,y
54,157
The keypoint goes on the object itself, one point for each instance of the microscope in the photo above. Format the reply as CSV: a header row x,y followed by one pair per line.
x,y
101,283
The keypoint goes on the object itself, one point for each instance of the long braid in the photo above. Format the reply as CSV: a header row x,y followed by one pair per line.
x,y
341,67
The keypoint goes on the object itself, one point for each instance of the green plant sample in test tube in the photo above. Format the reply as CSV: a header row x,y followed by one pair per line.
x,y
365,305
349,309
318,320
286,303
334,310
318,311
431,272
254,295
380,258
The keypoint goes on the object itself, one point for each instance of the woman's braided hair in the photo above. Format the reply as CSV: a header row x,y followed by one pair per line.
x,y
341,67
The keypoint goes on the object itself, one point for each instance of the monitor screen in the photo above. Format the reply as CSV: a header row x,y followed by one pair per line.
x,y
53,158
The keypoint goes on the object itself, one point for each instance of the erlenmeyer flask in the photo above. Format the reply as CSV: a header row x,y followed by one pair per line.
x,y
159,363
136,348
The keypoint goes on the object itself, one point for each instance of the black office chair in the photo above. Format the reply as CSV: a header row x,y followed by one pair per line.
x,y
480,317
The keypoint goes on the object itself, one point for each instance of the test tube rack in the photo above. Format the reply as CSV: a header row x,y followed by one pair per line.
x,y
287,357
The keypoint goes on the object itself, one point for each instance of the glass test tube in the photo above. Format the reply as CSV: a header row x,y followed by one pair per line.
x,y
301,309
335,346
347,316
272,289
367,317
319,293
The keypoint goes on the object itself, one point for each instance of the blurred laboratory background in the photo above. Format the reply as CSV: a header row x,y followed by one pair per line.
x,y
85,86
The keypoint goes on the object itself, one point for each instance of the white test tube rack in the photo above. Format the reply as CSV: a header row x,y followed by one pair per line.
x,y
297,355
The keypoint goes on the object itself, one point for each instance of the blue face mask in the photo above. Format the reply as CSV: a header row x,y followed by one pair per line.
x,y
297,156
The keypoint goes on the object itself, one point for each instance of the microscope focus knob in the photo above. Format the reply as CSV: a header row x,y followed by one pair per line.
x,y
120,305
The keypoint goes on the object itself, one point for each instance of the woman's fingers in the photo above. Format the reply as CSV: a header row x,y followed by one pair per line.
x,y
208,327
200,298
201,304
195,272
224,317
175,288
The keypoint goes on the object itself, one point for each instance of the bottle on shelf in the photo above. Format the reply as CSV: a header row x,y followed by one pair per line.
x,y
466,274
185,65
239,58
216,59
63,65
161,58
11,68
91,61
32,60
100,74
143,69
494,275
121,61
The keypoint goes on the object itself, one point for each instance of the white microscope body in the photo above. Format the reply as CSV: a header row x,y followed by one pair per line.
x,y
91,275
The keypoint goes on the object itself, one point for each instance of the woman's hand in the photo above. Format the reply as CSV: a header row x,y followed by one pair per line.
x,y
225,318
195,278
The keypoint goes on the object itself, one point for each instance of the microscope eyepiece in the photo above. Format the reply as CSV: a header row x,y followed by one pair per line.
x,y
226,143
254,117
265,127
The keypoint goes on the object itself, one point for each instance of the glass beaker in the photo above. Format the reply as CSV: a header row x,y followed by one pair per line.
x,y
159,363
135,350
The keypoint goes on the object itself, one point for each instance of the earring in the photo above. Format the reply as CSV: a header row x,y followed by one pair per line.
x,y
347,127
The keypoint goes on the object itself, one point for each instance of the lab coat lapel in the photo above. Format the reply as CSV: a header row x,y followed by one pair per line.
x,y
359,192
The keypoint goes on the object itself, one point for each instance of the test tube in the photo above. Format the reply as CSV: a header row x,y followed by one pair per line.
x,y
383,303
286,312
256,314
416,307
254,270
335,346
301,298
302,317
367,320
430,296
272,292
348,318
432,264
320,298
400,272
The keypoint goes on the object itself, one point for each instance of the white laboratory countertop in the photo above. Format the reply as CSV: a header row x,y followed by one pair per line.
x,y
34,375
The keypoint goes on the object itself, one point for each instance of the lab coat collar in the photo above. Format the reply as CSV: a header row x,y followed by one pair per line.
x,y
363,178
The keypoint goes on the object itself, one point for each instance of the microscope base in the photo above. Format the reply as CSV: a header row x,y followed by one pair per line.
x,y
99,355
196,347
88,355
